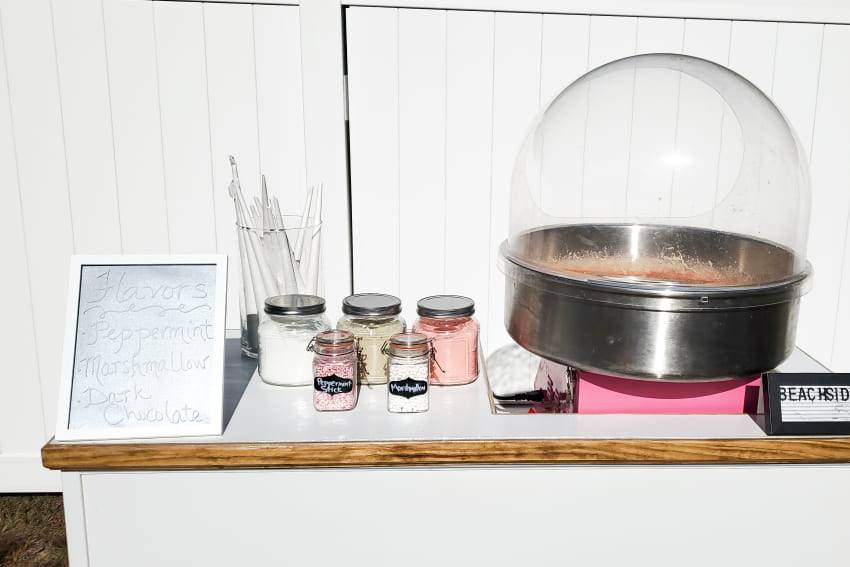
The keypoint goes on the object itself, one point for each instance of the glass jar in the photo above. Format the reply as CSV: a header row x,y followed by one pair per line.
x,y
407,386
447,321
334,371
293,320
372,318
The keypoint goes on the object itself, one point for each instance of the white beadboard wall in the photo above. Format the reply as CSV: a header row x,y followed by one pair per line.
x,y
116,120
441,100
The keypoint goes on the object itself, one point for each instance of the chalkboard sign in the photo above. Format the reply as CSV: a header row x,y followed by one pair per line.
x,y
144,348
806,404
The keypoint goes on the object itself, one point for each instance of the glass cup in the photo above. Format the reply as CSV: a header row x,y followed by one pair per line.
x,y
276,262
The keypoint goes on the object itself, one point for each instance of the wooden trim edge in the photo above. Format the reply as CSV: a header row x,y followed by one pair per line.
x,y
196,456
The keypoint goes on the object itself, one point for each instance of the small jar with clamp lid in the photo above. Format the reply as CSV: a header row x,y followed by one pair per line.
x,y
372,318
447,321
293,320
407,387
334,371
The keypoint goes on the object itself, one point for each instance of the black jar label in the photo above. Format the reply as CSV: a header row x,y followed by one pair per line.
x,y
408,387
333,384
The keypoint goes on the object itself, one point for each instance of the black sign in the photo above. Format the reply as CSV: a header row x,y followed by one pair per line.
x,y
409,387
807,404
333,384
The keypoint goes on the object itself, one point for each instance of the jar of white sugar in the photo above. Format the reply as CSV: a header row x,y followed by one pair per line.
x,y
407,370
293,320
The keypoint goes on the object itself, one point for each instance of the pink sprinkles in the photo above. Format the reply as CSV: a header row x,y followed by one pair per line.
x,y
322,369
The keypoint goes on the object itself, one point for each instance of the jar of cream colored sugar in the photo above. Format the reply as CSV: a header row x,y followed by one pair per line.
x,y
291,322
372,318
447,321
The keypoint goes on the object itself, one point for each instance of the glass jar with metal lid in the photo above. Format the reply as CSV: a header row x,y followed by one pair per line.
x,y
293,320
372,318
407,386
447,321
334,371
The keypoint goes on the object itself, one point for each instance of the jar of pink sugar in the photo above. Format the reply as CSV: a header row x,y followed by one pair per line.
x,y
447,320
334,371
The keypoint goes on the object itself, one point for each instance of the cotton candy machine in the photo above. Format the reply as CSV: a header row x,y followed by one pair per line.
x,y
659,214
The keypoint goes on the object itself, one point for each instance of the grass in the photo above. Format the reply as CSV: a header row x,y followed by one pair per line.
x,y
32,531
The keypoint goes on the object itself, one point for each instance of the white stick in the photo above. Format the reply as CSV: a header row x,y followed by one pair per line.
x,y
315,246
258,212
255,218
314,265
247,280
315,213
247,296
256,246
255,288
299,280
278,248
277,214
263,289
268,279
237,196
299,239
266,204
277,217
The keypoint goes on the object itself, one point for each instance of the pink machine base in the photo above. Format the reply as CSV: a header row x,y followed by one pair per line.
x,y
596,393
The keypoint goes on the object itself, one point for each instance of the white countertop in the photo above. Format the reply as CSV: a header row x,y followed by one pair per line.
x,y
274,414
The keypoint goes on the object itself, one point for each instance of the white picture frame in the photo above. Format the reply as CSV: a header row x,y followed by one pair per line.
x,y
216,389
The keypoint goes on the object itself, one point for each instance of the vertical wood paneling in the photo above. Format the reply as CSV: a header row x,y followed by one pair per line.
x,y
609,118
660,35
795,80
84,89
611,38
231,87
566,41
700,123
516,100
280,117
182,76
373,121
752,51
134,97
322,27
655,108
469,115
708,39
823,322
42,175
21,414
563,52
422,152
795,90
752,54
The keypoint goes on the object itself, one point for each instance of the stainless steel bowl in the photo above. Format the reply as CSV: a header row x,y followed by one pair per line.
x,y
635,327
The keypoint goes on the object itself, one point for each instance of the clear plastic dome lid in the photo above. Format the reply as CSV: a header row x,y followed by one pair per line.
x,y
662,170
